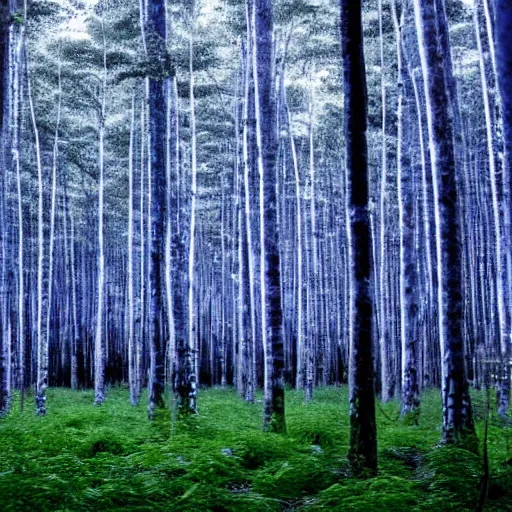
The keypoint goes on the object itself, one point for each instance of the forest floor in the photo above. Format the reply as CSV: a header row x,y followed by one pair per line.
x,y
110,458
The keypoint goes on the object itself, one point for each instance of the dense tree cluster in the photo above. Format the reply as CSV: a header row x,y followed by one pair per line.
x,y
258,194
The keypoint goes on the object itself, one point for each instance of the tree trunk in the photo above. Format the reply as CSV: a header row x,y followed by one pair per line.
x,y
156,35
274,414
409,292
132,378
457,415
504,74
99,341
363,434
193,340
42,340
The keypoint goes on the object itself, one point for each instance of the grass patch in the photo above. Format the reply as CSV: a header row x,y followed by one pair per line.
x,y
81,458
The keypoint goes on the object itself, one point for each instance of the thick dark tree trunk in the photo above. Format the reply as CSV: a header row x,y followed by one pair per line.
x,y
156,34
363,432
504,69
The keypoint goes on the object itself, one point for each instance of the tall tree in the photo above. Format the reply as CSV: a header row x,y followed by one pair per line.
x,y
6,58
363,431
42,339
99,338
157,54
266,136
409,293
384,329
457,414
504,71
132,367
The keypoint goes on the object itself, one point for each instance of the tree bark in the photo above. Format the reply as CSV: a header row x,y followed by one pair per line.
x,y
266,135
503,41
156,35
458,424
363,435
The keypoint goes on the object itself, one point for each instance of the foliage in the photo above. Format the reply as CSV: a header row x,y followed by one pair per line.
x,y
110,458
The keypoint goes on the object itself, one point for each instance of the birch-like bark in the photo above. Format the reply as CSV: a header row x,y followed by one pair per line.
x,y
74,312
192,335
15,151
300,284
53,205
99,342
42,341
131,325
172,149
383,287
409,293
249,169
246,229
425,202
142,277
457,414
222,344
312,341
8,79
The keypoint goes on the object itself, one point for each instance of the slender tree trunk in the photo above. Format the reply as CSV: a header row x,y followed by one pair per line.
x,y
300,284
131,322
266,136
74,312
171,161
248,170
457,415
409,292
185,384
314,335
99,341
16,132
42,340
383,287
192,334
53,207
6,67
142,277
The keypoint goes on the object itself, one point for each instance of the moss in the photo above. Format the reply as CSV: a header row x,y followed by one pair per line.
x,y
18,18
384,493
411,418
80,458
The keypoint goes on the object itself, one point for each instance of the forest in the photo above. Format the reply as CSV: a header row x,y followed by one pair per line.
x,y
255,255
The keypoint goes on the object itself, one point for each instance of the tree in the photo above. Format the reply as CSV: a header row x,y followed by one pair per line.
x,y
157,53
363,432
457,414
6,64
132,367
266,136
99,341
42,339
409,291
504,72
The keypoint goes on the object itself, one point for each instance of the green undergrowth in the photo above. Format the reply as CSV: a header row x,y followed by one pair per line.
x,y
110,458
